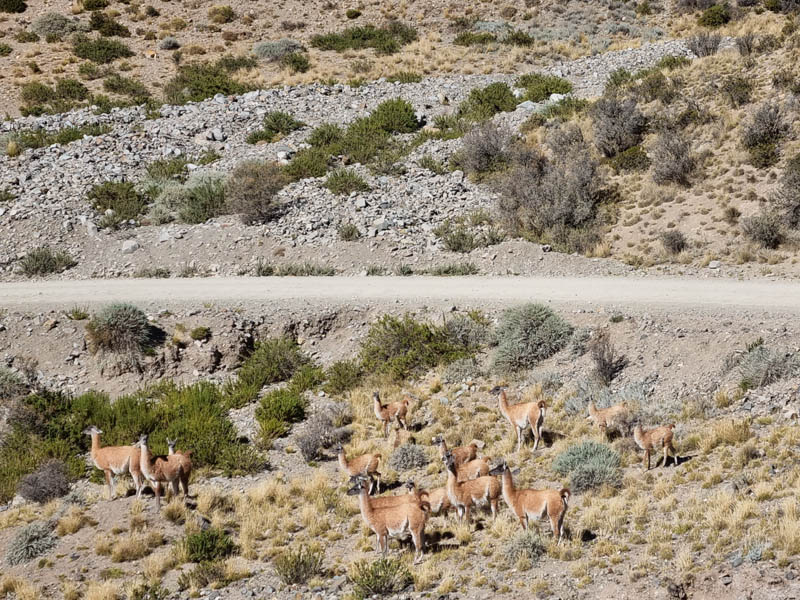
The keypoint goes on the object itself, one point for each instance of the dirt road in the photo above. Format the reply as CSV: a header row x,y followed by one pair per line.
x,y
577,292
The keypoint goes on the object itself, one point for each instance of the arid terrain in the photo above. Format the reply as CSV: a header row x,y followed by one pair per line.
x,y
235,227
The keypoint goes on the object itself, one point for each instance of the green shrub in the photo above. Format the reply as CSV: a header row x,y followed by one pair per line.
x,y
484,103
589,465
352,13
766,228
44,260
166,169
401,347
277,50
277,410
524,544
404,77
41,138
204,199
672,62
296,62
309,162
152,273
378,577
35,92
276,125
200,333
527,335
519,38
618,78
455,270
221,14
305,270
394,116
100,50
11,384
30,542
120,197
348,232
12,6
107,26
203,575
126,86
26,37
119,327
5,50
93,5
196,82
251,191
539,88
632,159
738,90
345,182
343,375
298,565
469,38
386,40
715,16
326,134
208,545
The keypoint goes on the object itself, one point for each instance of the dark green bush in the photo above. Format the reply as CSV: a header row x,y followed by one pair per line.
x,y
589,465
277,410
119,327
519,38
5,49
632,159
378,577
121,197
484,103
326,135
738,90
454,270
196,82
298,565
386,40
107,26
251,190
44,261
394,116
352,13
208,545
93,5
765,228
12,6
539,88
715,16
309,162
126,86
345,182
100,50
343,375
276,124
205,198
469,38
405,77
296,62
527,335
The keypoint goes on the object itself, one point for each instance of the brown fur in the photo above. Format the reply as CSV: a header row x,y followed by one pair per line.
x,y
461,454
186,462
523,415
366,464
396,411
114,460
473,469
655,439
463,495
613,417
160,469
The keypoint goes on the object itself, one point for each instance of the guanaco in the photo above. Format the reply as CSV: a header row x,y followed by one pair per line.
x,y
186,463
527,503
613,417
394,521
653,439
464,494
411,495
366,464
473,469
522,415
393,411
437,500
114,460
462,454
160,469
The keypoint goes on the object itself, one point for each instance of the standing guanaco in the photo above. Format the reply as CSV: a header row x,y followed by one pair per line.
x,y
523,414
463,495
411,495
160,469
366,464
473,469
437,500
613,417
393,411
527,503
186,462
462,454
651,440
114,460
401,519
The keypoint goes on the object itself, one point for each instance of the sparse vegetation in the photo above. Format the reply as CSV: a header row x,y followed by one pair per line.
x,y
48,482
251,189
345,182
618,124
672,159
31,542
380,577
45,260
407,457
529,334
385,40
198,81
766,228
298,565
589,464
208,545
119,328
119,202
276,124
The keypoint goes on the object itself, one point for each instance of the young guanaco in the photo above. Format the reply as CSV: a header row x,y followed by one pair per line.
x,y
473,469
411,495
437,499
160,469
366,464
398,520
651,440
530,503
186,463
613,417
462,454
522,415
463,495
114,460
386,413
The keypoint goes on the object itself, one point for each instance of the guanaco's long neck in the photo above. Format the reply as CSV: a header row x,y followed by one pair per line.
x,y
144,461
509,492
343,461
502,402
452,482
443,448
366,508
95,443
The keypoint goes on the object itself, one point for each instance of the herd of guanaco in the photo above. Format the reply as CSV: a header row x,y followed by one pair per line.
x,y
471,483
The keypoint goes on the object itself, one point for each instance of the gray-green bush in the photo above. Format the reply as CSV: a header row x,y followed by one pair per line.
x,y
119,327
31,542
298,565
378,577
527,335
524,544
275,51
407,457
589,465
45,260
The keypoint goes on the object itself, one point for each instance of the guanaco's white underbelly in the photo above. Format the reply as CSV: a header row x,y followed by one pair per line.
x,y
397,531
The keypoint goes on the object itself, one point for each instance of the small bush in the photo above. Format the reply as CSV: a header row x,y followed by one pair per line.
x,y
539,88
352,13
589,464
44,261
13,6
296,62
53,24
221,14
169,43
196,82
527,335
488,148
275,51
345,182
11,384
671,159
92,5
524,544
208,545
470,38
32,541
405,77
715,16
764,228
762,133
119,328
203,575
618,124
407,457
200,333
48,482
348,232
204,198
608,363
276,125
126,86
738,90
632,159
5,50
324,429
762,366
107,26
100,50
326,134
378,577
305,270
454,270
251,190
277,410
309,162
468,331
704,44
300,564
386,40
394,116
343,375
674,241
120,197
787,199
484,103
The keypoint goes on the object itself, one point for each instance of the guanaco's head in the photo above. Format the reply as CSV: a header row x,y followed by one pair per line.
x,y
410,485
499,469
171,443
450,461
362,483
376,397
142,440
93,430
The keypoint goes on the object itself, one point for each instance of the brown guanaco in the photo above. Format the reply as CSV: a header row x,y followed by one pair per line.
x,y
366,464
386,413
462,454
463,495
159,469
522,415
185,457
613,417
115,460
651,440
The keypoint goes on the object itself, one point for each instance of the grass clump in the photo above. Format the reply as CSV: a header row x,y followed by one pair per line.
x,y
455,270
221,14
208,545
404,77
298,565
198,81
524,544
326,134
5,49
119,328
484,103
343,375
41,138
380,577
527,335
11,384
589,464
276,125
765,228
345,182
100,50
407,457
44,261
277,50
204,198
48,482
31,542
120,197
348,232
251,190
539,88
674,241
296,62
761,366
385,40
762,134
471,38
126,86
